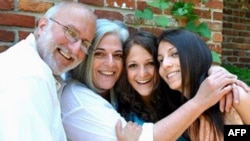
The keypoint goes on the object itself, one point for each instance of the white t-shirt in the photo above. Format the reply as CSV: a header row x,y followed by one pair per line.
x,y
87,116
29,107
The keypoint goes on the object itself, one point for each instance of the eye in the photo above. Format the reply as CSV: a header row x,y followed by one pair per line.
x,y
160,59
99,54
72,34
151,63
86,44
175,54
132,66
118,56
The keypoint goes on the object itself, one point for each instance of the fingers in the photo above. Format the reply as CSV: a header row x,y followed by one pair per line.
x,y
222,104
131,131
229,101
118,128
243,85
236,94
226,90
222,79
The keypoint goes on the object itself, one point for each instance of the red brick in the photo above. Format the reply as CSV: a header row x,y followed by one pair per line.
x,y
204,14
244,60
239,26
130,19
232,59
6,4
33,6
215,26
3,48
17,20
215,4
227,52
217,37
93,2
141,5
109,14
238,40
215,47
22,35
156,31
218,16
7,36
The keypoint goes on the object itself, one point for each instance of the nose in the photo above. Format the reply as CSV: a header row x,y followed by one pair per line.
x,y
142,71
110,60
166,63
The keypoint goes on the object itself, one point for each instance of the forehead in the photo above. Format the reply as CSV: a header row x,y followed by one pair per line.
x,y
138,52
110,41
164,45
78,17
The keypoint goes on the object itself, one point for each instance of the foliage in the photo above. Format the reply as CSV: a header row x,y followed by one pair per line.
x,y
178,10
216,58
242,73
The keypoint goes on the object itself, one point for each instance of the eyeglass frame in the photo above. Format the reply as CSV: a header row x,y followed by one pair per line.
x,y
85,45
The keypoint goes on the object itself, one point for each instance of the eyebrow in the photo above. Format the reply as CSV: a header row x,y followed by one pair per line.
x,y
102,49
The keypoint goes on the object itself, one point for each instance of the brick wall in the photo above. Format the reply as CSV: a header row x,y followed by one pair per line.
x,y
18,17
236,33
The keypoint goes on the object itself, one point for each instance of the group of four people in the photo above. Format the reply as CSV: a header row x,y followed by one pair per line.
x,y
157,83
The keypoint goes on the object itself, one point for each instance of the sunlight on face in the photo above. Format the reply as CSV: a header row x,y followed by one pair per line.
x,y
140,70
57,56
107,65
170,69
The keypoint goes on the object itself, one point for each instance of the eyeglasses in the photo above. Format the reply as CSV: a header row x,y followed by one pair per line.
x,y
73,36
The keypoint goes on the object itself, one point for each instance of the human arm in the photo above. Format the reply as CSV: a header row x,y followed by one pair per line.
x,y
131,132
243,107
232,97
212,89
87,116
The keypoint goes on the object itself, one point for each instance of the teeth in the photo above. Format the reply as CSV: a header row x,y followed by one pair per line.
x,y
173,73
142,81
107,72
64,54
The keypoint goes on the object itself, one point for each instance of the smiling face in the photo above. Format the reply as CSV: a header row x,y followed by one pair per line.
x,y
107,63
140,69
170,69
54,48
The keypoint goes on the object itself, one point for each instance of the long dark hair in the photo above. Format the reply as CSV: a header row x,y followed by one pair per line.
x,y
128,99
195,61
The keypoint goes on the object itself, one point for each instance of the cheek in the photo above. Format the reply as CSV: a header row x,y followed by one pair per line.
x,y
130,76
119,67
81,56
161,72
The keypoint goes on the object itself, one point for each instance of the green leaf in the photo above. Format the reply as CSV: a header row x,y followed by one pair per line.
x,y
215,57
204,31
155,4
162,21
191,26
162,5
138,13
145,14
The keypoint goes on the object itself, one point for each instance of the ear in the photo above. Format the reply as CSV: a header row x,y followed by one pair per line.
x,y
41,25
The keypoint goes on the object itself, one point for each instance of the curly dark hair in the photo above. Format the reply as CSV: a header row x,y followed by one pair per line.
x,y
129,100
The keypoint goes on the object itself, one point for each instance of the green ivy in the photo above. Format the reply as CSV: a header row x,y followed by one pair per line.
x,y
216,58
242,73
178,10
